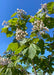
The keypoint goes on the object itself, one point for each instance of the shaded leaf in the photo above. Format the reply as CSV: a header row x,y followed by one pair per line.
x,y
49,22
41,45
9,34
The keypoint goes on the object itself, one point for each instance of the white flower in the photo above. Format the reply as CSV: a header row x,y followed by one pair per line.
x,y
44,6
39,10
20,34
35,22
41,32
17,9
41,27
4,22
4,61
45,28
31,17
47,16
20,12
6,26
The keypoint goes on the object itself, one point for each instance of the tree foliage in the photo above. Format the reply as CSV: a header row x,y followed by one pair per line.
x,y
29,51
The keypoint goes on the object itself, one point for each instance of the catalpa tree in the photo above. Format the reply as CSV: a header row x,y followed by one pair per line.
x,y
28,50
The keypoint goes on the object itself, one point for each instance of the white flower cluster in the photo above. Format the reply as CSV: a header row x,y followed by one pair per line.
x,y
20,34
20,12
38,25
43,7
5,24
4,61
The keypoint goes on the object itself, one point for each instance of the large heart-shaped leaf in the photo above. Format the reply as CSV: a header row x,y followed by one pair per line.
x,y
32,50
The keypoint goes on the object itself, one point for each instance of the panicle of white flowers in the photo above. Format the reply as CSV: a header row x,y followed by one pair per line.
x,y
44,6
5,24
20,12
20,34
4,61
38,25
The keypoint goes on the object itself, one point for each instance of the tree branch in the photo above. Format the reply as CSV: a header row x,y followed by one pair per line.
x,y
34,68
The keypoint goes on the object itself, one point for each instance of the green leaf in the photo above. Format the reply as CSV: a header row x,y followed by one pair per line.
x,y
13,57
49,22
14,14
40,73
9,34
35,40
12,46
45,36
31,20
4,30
32,51
33,35
50,7
10,65
1,69
13,21
40,15
20,49
41,45
8,72
24,51
17,61
23,41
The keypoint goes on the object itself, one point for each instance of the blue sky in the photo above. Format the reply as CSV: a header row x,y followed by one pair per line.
x,y
8,7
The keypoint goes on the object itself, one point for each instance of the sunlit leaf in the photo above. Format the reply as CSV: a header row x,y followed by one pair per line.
x,y
20,49
4,30
14,14
12,46
35,40
50,7
8,72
